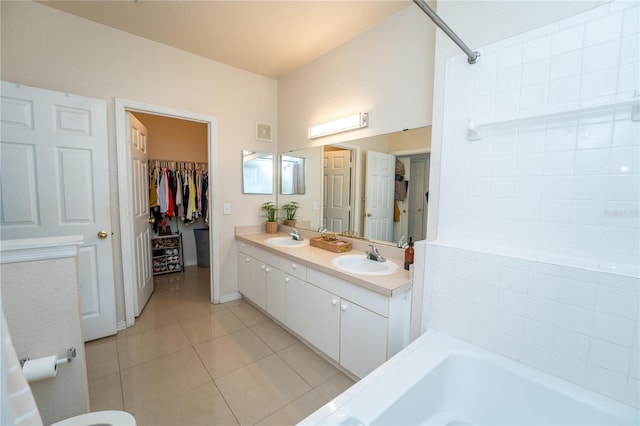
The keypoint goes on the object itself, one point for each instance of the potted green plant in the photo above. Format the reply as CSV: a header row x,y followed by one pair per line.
x,y
269,210
290,210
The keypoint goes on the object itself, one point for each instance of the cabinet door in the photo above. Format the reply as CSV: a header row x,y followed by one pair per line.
x,y
323,329
296,306
252,279
314,314
363,339
276,280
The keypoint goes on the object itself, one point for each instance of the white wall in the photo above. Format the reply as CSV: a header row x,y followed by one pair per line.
x,y
40,300
528,259
46,48
387,71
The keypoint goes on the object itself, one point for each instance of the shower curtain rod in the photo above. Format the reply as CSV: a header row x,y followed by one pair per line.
x,y
474,56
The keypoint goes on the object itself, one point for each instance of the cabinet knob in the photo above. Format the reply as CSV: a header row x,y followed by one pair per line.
x,y
287,279
247,259
262,267
242,244
334,302
267,269
294,266
343,307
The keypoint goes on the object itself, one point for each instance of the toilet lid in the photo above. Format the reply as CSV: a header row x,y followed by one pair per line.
x,y
99,418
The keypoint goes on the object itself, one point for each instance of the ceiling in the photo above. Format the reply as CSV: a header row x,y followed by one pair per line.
x,y
270,38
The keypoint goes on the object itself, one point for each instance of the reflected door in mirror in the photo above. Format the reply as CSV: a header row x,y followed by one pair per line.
x,y
337,188
380,184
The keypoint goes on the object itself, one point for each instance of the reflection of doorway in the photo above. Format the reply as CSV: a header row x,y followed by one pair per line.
x,y
418,190
336,211
124,188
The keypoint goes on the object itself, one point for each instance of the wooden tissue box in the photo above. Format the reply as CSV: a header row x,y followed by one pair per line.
x,y
336,246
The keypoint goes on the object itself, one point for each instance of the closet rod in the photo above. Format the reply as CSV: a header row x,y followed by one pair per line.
x,y
165,163
474,56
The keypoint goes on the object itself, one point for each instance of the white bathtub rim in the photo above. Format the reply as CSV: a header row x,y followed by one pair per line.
x,y
356,402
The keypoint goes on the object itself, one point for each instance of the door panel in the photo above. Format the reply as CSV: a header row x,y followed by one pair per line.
x,y
140,193
379,190
337,190
55,182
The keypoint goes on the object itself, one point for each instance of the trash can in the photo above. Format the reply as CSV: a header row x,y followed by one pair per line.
x,y
202,246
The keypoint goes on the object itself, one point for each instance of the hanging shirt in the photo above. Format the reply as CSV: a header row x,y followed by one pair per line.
x,y
153,190
170,204
162,193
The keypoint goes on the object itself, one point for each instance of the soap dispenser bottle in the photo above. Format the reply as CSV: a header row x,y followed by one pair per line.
x,y
408,254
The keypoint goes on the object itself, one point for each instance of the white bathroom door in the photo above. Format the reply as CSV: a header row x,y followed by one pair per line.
x,y
379,190
337,190
137,140
54,181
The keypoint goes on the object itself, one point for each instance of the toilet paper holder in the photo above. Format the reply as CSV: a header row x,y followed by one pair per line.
x,y
71,353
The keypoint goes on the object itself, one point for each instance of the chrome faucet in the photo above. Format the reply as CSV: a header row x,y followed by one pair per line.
x,y
322,229
374,254
294,234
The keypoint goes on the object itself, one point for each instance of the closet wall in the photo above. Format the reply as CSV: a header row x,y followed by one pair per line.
x,y
178,140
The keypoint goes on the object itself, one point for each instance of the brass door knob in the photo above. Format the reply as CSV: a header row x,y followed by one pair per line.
x,y
102,235
369,215
152,220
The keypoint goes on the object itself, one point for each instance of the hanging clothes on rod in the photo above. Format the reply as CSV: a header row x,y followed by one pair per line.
x,y
178,190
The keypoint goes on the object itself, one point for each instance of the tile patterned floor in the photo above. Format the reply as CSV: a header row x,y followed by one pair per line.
x,y
188,362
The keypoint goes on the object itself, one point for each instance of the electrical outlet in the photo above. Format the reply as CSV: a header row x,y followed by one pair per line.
x,y
226,208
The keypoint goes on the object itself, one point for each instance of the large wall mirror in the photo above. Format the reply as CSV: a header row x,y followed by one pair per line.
x,y
257,172
376,186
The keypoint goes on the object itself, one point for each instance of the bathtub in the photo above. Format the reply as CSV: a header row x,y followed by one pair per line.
x,y
441,380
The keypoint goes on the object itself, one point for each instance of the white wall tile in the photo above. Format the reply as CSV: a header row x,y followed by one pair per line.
x,y
533,99
507,345
536,356
538,333
568,368
567,40
634,363
575,319
562,91
585,238
623,188
506,104
625,160
462,308
529,164
614,301
577,293
486,295
599,83
597,135
527,208
510,323
601,56
463,289
508,78
629,48
535,72
460,328
621,215
613,329
542,310
543,286
488,274
630,23
631,283
530,140
537,49
514,279
606,382
553,235
607,355
558,163
572,344
484,315
632,396
509,57
555,210
589,188
588,212
482,336
566,65
627,79
603,29
587,16
592,162
442,283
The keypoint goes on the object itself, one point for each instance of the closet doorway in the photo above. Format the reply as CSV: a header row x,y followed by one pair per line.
x,y
178,139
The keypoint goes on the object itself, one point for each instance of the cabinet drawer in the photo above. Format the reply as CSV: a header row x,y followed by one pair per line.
x,y
366,298
289,267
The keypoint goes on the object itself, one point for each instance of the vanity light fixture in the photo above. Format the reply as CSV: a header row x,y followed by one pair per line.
x,y
356,121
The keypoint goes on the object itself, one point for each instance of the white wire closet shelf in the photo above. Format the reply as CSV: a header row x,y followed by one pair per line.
x,y
474,129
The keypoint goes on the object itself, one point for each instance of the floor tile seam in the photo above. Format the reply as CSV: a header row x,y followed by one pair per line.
x,y
121,389
156,359
287,404
266,343
224,398
242,366
293,369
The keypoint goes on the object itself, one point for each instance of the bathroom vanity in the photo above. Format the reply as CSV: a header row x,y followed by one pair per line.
x,y
356,320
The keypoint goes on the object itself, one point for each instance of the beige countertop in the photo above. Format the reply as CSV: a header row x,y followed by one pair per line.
x,y
319,259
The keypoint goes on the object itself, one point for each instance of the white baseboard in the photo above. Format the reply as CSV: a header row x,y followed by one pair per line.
x,y
229,297
121,325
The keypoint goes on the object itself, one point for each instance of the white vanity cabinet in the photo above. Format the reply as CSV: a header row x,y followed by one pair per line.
x,y
356,327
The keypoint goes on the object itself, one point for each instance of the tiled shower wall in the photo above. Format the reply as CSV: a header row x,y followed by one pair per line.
x,y
538,238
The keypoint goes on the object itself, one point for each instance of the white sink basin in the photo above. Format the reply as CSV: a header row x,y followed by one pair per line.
x,y
359,264
286,242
